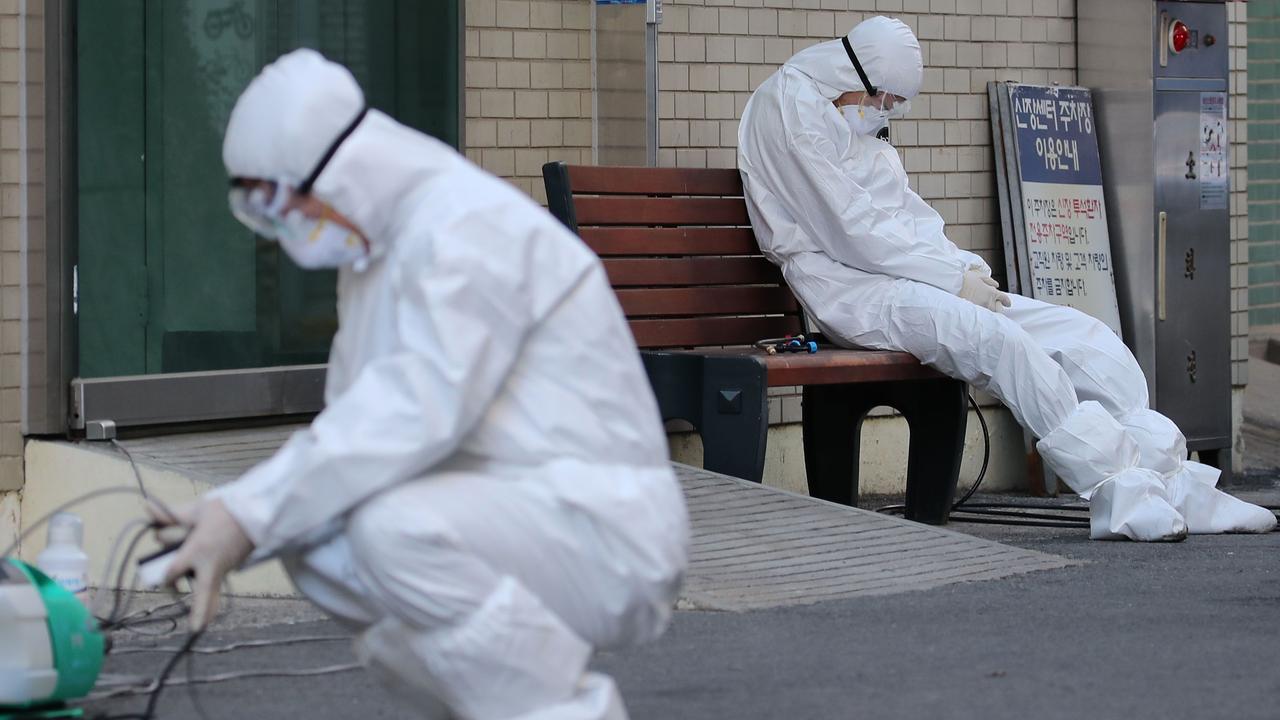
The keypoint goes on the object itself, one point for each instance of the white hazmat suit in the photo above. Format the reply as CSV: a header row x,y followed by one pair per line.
x,y
487,495
871,264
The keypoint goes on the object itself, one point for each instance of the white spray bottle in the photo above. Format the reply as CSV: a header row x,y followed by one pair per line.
x,y
63,558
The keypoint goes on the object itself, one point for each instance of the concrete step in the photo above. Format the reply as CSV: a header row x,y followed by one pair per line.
x,y
754,546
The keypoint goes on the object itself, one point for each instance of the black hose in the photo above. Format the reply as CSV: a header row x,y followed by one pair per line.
x,y
993,513
1030,523
996,512
986,455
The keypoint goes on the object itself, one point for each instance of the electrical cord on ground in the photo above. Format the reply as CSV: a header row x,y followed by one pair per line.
x,y
156,688
137,475
218,650
191,685
119,619
131,689
145,615
113,556
1012,519
982,473
991,513
1026,506
122,596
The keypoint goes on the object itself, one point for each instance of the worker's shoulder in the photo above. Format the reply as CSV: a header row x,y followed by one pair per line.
x,y
787,101
482,218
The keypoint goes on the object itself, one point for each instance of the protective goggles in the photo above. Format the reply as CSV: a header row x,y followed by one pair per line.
x,y
262,206
894,105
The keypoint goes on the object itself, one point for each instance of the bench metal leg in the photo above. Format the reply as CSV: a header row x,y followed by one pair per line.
x,y
735,417
937,412
832,421
726,401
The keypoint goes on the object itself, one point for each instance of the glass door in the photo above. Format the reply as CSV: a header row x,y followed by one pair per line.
x,y
167,280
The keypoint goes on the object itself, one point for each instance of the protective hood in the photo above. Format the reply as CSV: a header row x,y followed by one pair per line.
x,y
887,49
290,116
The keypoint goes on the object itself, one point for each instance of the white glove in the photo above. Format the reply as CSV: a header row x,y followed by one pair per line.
x,y
983,291
213,544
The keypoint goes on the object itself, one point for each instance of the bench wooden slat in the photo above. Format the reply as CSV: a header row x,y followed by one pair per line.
x,y
607,241
685,302
834,366
840,367
660,211
648,272
695,332
653,181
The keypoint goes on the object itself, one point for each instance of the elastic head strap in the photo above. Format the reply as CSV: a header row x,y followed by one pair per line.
x,y
872,90
305,187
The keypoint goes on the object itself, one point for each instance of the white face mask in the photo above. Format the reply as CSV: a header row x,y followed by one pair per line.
x,y
869,119
865,120
315,243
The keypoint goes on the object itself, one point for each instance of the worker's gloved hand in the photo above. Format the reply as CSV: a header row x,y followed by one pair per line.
x,y
983,291
213,544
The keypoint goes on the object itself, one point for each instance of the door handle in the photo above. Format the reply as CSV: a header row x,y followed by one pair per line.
x,y
1164,39
1161,271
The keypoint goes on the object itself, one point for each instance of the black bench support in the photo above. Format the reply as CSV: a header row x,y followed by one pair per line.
x,y
936,413
726,401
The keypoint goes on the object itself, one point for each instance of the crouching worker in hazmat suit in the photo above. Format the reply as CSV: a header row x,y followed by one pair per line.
x,y
487,495
871,265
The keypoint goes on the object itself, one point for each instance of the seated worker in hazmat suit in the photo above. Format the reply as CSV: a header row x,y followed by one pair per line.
x,y
486,496
871,264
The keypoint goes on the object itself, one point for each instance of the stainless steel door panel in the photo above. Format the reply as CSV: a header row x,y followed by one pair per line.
x,y
1193,334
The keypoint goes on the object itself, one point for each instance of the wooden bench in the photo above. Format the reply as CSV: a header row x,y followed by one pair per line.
x,y
681,256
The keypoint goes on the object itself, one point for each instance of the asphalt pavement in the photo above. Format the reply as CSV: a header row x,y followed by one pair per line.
x,y
1161,631
1184,630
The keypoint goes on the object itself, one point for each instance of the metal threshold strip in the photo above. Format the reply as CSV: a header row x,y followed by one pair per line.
x,y
142,400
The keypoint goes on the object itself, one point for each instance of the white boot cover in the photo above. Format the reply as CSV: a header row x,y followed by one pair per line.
x,y
1093,454
385,653
1192,486
1132,504
508,659
597,698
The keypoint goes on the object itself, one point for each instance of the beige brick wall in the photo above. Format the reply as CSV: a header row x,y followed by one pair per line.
x,y
11,258
528,86
1238,41
713,55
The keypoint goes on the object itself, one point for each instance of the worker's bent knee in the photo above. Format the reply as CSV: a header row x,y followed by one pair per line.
x,y
410,559
387,526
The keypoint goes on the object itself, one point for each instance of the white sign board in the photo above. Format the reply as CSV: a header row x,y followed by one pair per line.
x,y
1066,249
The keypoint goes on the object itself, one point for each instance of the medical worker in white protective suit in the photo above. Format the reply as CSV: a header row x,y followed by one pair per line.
x,y
870,262
486,496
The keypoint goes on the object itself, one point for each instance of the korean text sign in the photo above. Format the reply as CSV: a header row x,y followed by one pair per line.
x,y
1065,218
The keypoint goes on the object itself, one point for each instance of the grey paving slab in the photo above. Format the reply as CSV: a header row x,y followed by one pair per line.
x,y
214,457
759,547
753,546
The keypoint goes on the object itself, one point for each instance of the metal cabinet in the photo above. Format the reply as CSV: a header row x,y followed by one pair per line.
x,y
1158,71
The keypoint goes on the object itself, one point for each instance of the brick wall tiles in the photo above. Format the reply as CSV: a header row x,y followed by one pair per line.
x,y
718,51
528,86
1238,119
11,259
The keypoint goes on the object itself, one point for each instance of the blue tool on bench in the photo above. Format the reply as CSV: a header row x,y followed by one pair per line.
x,y
789,344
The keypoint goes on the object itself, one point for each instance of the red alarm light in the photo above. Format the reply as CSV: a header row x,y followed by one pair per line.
x,y
1179,36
